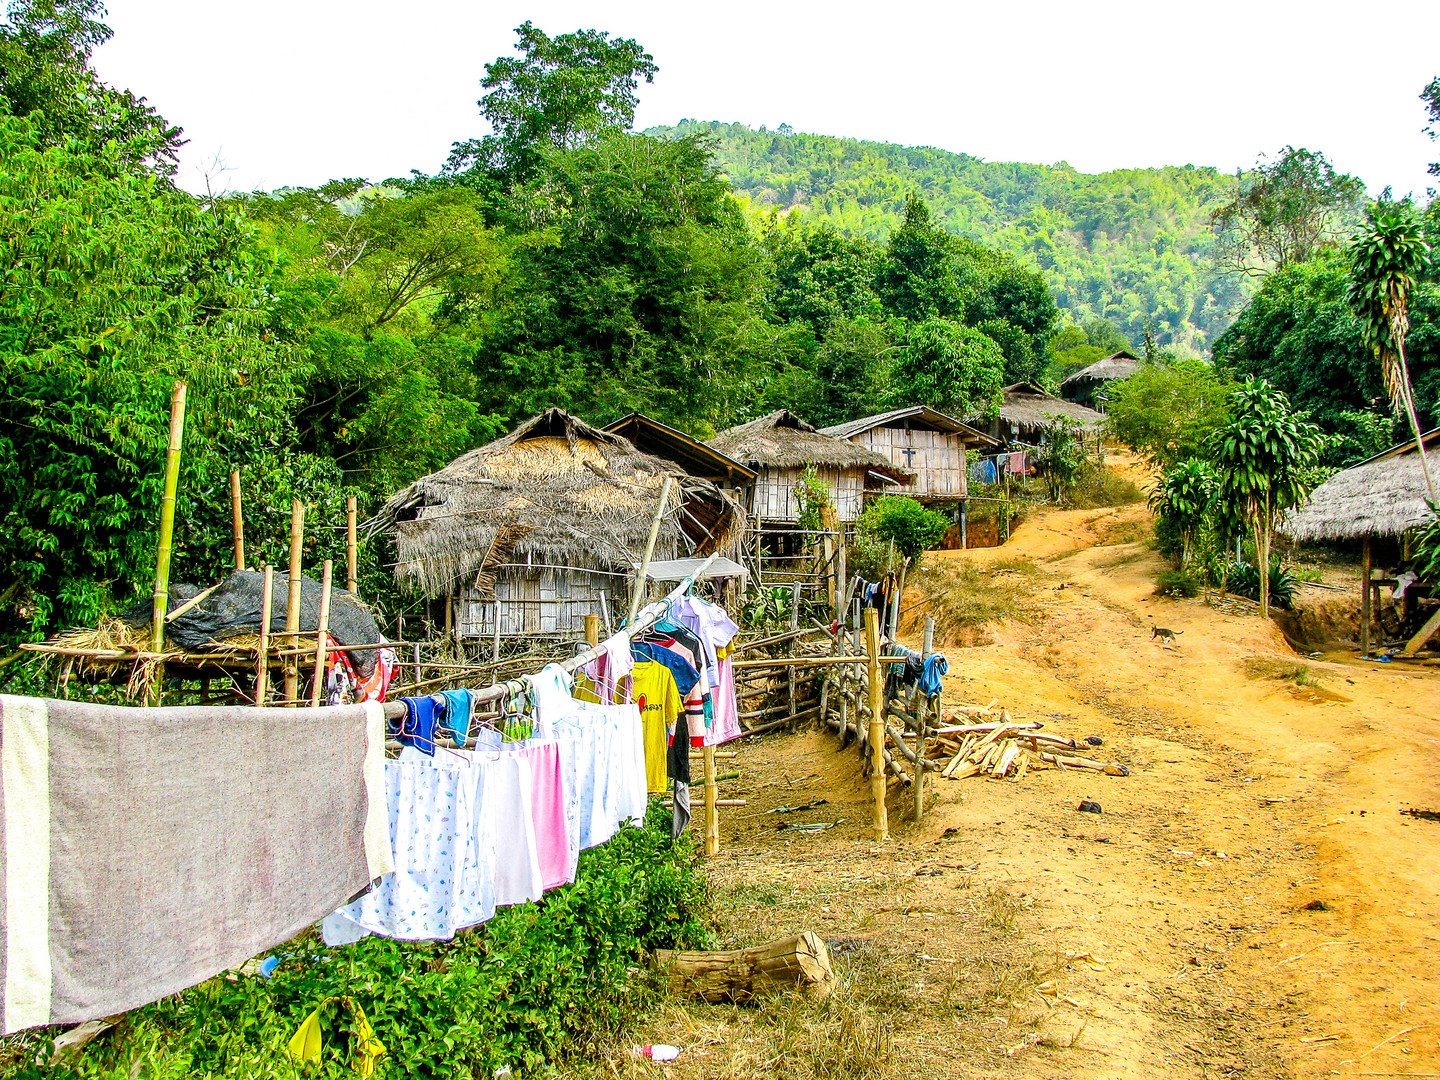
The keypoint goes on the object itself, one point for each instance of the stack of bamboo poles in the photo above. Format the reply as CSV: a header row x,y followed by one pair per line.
x,y
1002,748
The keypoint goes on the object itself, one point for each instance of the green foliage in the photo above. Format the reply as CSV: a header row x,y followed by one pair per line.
x,y
559,94
1243,579
1287,210
949,367
1182,500
904,520
1426,549
1300,334
1123,246
1062,455
1260,458
1176,583
517,991
812,495
1167,411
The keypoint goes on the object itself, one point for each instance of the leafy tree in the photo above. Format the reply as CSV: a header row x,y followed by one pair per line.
x,y
820,275
117,285
914,528
1262,457
1431,97
1287,210
1009,302
559,94
1181,500
45,48
1167,412
1062,454
1385,258
917,274
949,367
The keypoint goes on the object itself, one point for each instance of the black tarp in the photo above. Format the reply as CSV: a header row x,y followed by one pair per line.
x,y
233,610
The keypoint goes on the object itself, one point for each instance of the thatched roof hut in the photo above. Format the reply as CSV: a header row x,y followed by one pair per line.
x,y
781,446
1382,496
556,493
1028,410
1086,386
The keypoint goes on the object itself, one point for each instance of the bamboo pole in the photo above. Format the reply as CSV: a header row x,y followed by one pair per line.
x,y
592,629
1366,591
262,662
237,519
352,548
926,649
292,603
167,535
879,819
317,692
638,592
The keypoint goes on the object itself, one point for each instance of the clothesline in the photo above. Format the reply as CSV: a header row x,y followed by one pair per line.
x,y
395,710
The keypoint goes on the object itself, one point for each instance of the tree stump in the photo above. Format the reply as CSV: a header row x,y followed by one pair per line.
x,y
800,962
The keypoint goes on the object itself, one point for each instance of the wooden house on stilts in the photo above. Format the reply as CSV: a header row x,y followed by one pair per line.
x,y
528,534
924,440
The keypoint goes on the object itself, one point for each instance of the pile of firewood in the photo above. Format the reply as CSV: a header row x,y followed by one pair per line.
x,y
1003,747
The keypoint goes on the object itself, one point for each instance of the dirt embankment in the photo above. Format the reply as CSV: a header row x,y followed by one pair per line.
x,y
1250,902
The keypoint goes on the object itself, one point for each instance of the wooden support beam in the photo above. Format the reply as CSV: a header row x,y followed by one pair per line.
x,y
880,822
262,658
1366,572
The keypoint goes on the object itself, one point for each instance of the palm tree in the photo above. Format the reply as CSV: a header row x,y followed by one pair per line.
x,y
1385,256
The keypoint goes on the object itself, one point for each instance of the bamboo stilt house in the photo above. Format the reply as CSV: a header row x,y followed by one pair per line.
x,y
547,525
924,440
781,446
1088,385
1028,411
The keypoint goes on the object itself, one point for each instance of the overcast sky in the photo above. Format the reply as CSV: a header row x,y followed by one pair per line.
x,y
302,91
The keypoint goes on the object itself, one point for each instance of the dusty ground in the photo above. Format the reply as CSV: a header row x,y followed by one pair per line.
x,y
1250,903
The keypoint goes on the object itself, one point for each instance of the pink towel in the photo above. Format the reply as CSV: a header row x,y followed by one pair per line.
x,y
547,801
1017,461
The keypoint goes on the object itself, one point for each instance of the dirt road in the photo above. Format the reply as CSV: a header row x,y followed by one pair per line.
x,y
1249,903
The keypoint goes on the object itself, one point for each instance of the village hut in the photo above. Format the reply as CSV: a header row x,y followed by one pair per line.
x,y
780,447
1381,498
547,525
650,436
921,439
1027,413
1087,386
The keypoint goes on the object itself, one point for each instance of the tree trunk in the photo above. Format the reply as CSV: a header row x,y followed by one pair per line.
x,y
1407,394
1262,556
800,962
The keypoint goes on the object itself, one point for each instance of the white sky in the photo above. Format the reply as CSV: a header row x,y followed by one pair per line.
x,y
296,92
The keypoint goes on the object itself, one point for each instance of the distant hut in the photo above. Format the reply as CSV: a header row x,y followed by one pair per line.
x,y
780,447
1028,411
547,525
1087,386
921,439
1381,498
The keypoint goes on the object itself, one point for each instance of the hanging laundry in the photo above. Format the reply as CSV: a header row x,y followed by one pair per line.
x,y
1017,462
930,678
610,667
135,864
309,1039
455,707
417,727
657,694
715,630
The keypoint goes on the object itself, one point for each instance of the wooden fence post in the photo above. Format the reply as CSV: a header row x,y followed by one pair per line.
x,y
879,818
292,604
322,632
352,548
262,664
237,519
921,714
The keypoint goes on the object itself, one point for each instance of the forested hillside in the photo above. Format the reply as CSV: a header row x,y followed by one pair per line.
x,y
1127,246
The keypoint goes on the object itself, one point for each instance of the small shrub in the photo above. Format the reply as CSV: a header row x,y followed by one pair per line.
x,y
1177,583
1098,486
1243,579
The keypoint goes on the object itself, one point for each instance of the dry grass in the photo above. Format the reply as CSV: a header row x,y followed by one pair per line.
x,y
1304,681
964,595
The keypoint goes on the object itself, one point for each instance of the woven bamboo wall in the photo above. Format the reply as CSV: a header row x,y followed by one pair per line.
x,y
775,493
937,457
540,602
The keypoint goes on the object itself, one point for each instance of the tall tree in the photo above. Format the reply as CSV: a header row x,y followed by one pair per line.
x,y
559,94
1431,97
1287,210
1385,259
1262,457
949,367
917,274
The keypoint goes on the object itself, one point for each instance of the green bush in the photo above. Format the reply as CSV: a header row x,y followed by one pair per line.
x,y
1243,579
1176,583
536,980
900,518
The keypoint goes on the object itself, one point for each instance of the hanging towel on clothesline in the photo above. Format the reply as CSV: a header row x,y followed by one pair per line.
x,y
146,850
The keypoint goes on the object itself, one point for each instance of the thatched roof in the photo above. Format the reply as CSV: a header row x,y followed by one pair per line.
x,y
1120,365
919,416
652,437
783,441
1380,497
557,491
1028,406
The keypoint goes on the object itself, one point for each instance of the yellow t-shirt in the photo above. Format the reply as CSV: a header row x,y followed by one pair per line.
x,y
653,689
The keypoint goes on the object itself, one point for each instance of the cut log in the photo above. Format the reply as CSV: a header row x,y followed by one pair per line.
x,y
800,962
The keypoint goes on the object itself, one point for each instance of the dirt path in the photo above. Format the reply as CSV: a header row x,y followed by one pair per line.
x,y
1250,902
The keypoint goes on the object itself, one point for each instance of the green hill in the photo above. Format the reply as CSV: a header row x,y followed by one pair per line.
x,y
1129,246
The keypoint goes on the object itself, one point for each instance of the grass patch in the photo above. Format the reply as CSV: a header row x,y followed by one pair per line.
x,y
1124,532
1103,487
1265,667
1176,583
965,595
